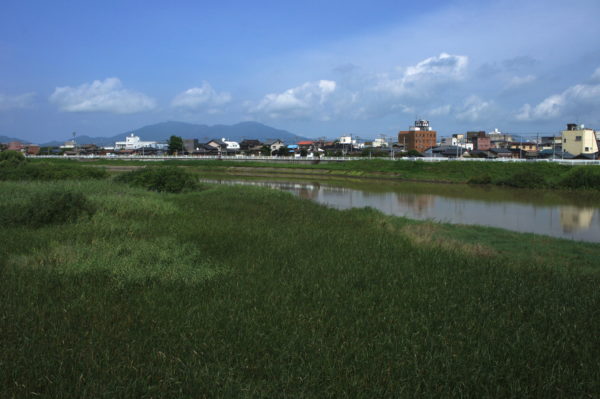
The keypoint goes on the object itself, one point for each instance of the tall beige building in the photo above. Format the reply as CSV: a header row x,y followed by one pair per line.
x,y
579,140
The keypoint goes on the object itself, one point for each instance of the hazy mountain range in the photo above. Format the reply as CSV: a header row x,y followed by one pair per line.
x,y
162,131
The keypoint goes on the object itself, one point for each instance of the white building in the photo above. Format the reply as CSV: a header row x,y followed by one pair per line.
x,y
380,143
457,141
348,140
231,145
133,143
69,145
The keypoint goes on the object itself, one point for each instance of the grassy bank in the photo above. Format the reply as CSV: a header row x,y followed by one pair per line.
x,y
520,175
248,292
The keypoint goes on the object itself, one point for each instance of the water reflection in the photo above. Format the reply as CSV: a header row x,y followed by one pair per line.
x,y
573,218
478,208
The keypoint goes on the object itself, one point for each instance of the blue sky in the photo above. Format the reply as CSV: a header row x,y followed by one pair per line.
x,y
316,68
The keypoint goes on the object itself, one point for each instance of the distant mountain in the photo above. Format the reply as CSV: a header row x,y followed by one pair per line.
x,y
5,139
162,131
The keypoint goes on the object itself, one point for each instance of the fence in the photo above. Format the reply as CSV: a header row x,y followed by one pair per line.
x,y
276,159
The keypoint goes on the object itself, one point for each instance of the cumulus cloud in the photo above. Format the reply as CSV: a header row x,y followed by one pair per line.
x,y
430,72
101,96
203,97
16,102
518,81
580,99
298,102
474,109
440,111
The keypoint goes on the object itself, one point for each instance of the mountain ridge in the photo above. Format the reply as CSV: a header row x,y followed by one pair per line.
x,y
163,130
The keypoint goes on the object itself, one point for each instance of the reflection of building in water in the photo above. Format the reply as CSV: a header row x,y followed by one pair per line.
x,y
573,218
309,191
419,203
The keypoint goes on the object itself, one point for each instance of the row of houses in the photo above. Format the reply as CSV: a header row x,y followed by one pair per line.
x,y
574,142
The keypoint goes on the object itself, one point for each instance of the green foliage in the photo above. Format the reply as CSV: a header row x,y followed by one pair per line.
x,y
175,145
526,178
582,178
481,179
265,150
414,153
47,207
49,171
169,179
209,294
283,151
11,159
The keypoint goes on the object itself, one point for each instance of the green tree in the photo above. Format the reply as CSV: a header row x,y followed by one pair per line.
x,y
175,145
265,150
11,158
283,151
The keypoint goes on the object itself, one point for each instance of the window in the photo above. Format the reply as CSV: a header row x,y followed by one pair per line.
x,y
577,138
587,148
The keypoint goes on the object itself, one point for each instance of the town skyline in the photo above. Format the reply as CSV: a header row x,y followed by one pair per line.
x,y
312,69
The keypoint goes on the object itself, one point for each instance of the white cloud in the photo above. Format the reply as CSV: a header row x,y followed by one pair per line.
x,y
203,97
430,72
445,65
440,111
101,96
596,75
581,99
474,109
298,102
518,81
16,102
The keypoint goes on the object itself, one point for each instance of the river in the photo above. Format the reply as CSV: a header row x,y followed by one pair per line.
x,y
574,216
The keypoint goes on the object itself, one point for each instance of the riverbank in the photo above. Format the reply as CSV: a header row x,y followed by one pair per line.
x,y
241,291
519,175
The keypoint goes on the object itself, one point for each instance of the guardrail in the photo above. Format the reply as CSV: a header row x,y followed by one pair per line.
x,y
309,159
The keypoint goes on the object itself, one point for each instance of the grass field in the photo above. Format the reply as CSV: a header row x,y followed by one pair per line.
x,y
249,292
545,175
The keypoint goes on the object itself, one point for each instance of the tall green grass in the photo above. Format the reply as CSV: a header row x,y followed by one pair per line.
x,y
520,175
248,292
15,168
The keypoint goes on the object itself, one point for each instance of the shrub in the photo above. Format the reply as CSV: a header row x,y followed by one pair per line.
x,y
587,177
48,171
48,207
11,159
482,179
169,179
525,179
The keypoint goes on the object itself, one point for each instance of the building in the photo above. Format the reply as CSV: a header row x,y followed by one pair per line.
x,y
551,143
497,135
482,143
274,145
231,145
380,142
190,145
133,143
251,146
419,137
16,146
578,140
